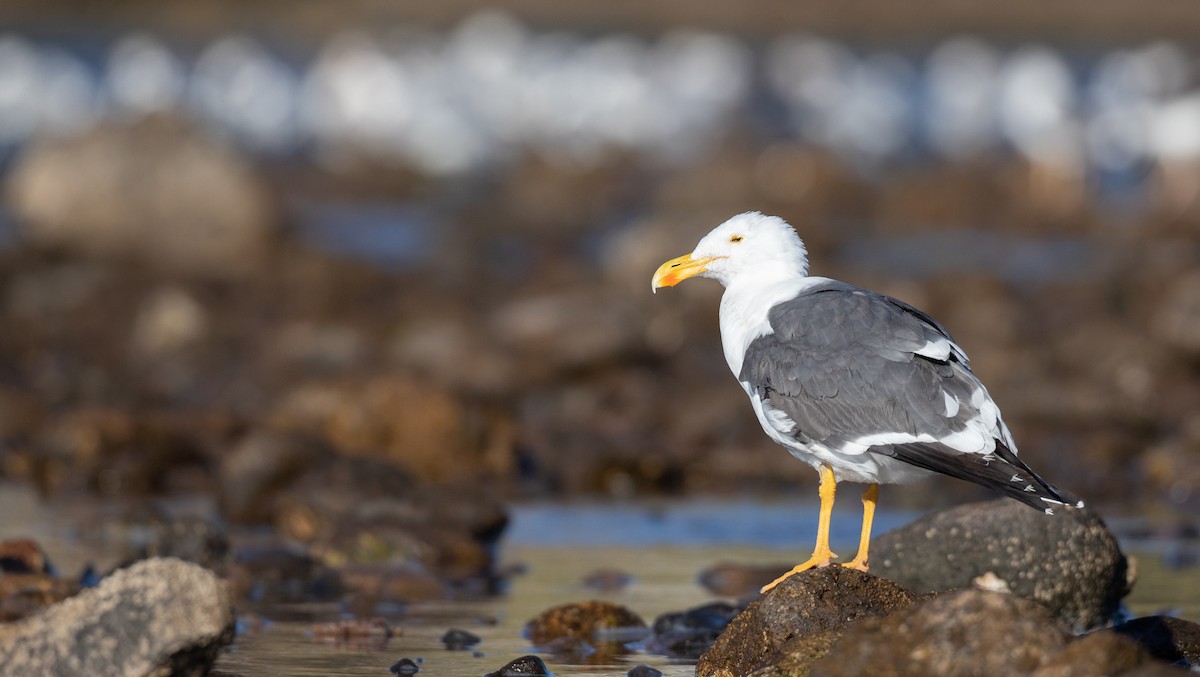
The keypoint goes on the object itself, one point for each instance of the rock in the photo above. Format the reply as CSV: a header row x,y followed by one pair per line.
x,y
583,619
525,666
969,632
604,326
405,666
690,633
809,603
369,511
730,579
594,630
1069,562
1166,638
643,671
419,425
158,617
257,467
279,575
24,556
155,191
459,640
800,654
609,580
1100,653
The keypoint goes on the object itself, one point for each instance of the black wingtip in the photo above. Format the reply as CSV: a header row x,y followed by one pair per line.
x,y
1001,471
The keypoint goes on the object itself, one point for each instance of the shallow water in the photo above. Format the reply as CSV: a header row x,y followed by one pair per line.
x,y
663,545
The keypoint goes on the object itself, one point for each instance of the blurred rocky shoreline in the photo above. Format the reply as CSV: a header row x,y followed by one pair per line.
x,y
325,374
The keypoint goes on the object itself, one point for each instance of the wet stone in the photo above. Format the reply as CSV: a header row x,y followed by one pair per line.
x,y
688,634
459,640
644,671
607,580
282,575
1069,561
405,666
808,603
24,556
1099,653
968,632
525,666
583,620
1166,638
729,579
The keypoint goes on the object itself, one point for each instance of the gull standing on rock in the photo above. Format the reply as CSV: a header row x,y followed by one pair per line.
x,y
861,386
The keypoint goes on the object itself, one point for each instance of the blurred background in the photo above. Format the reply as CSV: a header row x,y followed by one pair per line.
x,y
280,258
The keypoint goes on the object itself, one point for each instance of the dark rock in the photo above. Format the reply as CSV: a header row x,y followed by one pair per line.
x,y
530,666
644,671
156,191
800,654
688,634
192,539
1069,562
1099,653
583,620
405,666
729,579
969,632
460,640
158,617
586,632
282,575
1167,638
24,556
607,579
812,602
370,511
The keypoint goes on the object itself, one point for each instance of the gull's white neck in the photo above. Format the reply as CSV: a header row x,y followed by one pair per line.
x,y
745,305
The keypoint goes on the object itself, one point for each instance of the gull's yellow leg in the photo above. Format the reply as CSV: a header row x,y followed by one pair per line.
x,y
870,497
822,555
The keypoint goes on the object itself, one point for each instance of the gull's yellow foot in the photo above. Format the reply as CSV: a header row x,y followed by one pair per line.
x,y
822,556
819,559
859,563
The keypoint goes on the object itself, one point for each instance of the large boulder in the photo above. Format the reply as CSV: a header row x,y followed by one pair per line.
x,y
1069,561
158,617
156,191
785,620
969,632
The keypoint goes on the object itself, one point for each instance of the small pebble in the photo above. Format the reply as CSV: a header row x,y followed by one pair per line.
x,y
644,671
607,579
459,640
525,666
404,666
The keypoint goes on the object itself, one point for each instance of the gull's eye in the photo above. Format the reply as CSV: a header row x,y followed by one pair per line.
x,y
735,238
